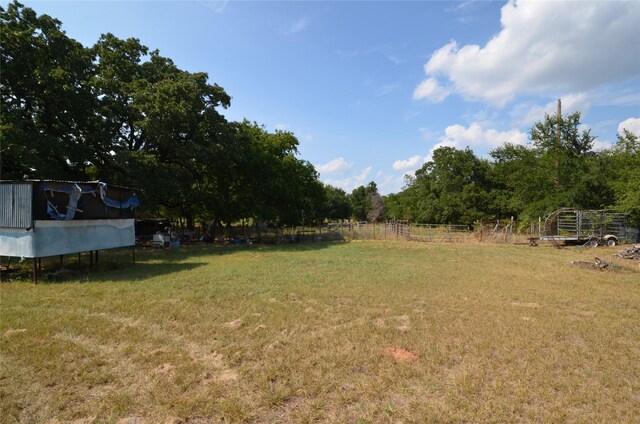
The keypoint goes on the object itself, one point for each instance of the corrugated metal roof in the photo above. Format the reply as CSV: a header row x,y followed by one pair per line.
x,y
15,205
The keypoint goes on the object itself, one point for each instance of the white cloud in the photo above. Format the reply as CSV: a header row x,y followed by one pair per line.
x,y
579,102
362,176
335,165
458,136
430,89
282,127
412,163
389,183
476,138
599,145
631,124
542,46
348,184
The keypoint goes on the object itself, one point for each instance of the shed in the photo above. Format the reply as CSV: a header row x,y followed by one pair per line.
x,y
46,218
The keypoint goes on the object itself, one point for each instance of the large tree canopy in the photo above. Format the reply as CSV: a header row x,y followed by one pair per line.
x,y
49,120
120,112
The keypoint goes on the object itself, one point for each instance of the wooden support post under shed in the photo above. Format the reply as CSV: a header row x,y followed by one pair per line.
x,y
35,271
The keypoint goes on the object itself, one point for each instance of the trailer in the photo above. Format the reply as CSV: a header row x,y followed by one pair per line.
x,y
583,226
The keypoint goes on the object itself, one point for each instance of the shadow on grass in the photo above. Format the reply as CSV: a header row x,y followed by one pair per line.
x,y
114,272
207,250
117,264
142,271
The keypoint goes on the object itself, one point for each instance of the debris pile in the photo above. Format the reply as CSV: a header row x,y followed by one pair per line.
x,y
632,252
597,264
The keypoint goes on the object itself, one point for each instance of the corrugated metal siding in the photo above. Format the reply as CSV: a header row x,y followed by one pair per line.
x,y
15,205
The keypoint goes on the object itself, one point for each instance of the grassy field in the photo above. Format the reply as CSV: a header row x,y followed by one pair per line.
x,y
367,332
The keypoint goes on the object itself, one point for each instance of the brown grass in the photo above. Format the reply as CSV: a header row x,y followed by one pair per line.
x,y
351,332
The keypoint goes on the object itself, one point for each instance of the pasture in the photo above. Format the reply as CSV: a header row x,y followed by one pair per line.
x,y
368,332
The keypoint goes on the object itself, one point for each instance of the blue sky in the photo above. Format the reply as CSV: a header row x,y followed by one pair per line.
x,y
371,88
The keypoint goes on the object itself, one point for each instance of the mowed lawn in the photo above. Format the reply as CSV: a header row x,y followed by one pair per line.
x,y
367,332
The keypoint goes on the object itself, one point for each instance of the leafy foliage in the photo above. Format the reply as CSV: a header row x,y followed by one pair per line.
x,y
367,204
525,181
48,107
121,113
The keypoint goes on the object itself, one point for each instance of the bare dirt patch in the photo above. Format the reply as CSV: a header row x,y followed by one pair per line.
x,y
166,369
228,375
235,324
401,355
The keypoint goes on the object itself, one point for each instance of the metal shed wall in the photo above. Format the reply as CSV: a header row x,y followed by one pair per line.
x,y
49,238
16,205
28,229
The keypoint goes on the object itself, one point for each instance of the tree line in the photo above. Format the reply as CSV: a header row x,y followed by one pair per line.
x,y
120,112
525,181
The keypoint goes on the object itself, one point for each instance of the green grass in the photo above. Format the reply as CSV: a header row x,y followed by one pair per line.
x,y
305,333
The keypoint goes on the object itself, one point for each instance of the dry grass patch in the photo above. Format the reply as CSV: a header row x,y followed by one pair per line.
x,y
357,332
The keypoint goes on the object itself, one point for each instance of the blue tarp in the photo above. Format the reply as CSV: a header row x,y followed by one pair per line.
x,y
75,192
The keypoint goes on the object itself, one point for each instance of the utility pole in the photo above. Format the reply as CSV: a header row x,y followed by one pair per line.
x,y
559,142
559,124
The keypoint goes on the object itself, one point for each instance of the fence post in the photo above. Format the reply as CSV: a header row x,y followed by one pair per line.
x,y
511,231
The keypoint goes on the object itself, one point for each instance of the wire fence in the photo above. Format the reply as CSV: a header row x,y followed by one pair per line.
x,y
486,232
441,233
